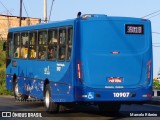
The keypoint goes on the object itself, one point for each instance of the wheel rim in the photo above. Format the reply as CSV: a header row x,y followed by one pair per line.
x,y
16,90
47,99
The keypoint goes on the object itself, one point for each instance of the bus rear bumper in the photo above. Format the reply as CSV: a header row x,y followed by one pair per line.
x,y
115,95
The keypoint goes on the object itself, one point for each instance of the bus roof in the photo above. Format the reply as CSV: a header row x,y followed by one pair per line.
x,y
43,26
102,17
71,22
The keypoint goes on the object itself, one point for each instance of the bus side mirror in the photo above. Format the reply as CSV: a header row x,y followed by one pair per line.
x,y
4,46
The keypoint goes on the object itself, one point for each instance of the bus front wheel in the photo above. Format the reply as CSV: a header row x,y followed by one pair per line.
x,y
50,106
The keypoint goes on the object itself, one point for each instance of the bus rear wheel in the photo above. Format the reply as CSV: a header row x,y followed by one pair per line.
x,y
50,106
17,95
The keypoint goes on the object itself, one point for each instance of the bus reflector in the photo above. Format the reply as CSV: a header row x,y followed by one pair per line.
x,y
147,95
70,87
79,70
149,69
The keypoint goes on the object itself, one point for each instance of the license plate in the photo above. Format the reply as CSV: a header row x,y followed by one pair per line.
x,y
115,80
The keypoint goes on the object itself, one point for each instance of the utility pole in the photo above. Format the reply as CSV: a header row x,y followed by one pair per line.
x,y
45,11
20,16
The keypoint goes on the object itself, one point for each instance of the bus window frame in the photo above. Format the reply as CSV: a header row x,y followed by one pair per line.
x,y
36,44
14,41
33,45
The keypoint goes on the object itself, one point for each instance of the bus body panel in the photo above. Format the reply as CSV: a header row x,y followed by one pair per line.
x,y
98,58
113,61
31,74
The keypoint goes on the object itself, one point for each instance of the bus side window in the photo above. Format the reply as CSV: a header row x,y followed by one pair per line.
x,y
42,44
42,37
32,52
32,45
62,44
62,53
42,55
69,43
24,45
52,44
52,37
16,45
9,45
62,36
52,52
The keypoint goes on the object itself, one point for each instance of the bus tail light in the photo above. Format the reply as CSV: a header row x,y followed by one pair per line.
x,y
79,70
148,74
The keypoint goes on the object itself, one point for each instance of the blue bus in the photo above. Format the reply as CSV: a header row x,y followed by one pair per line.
x,y
92,59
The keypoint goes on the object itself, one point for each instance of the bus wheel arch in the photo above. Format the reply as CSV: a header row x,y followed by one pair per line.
x,y
17,95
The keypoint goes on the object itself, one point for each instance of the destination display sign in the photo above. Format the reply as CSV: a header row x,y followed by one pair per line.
x,y
134,29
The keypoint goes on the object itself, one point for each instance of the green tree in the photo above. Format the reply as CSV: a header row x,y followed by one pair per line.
x,y
3,90
156,84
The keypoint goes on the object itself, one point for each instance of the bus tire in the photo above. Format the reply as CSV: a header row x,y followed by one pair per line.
x,y
50,106
17,95
109,107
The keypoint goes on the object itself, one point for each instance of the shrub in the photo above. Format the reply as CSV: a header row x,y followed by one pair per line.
x,y
156,84
3,90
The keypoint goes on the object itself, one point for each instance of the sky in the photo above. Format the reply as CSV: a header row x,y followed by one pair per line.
x,y
68,9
